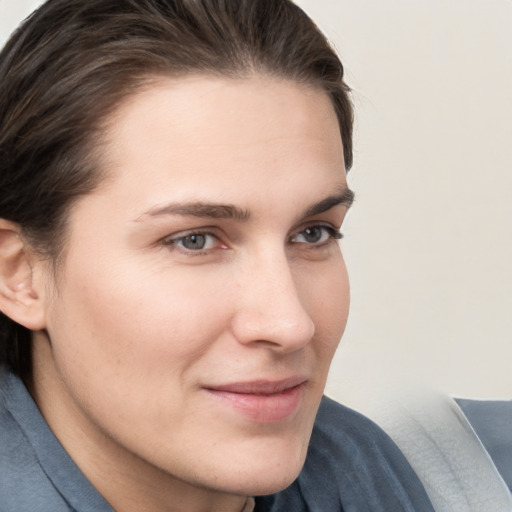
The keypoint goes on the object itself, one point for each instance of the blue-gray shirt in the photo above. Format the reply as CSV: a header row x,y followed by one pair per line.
x,y
352,465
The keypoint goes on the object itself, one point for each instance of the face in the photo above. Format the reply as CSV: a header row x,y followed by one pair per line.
x,y
203,291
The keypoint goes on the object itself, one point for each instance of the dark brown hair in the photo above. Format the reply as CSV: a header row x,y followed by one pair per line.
x,y
73,61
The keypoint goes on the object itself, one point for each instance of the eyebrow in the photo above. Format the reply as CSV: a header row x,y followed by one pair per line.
x,y
199,209
345,198
227,211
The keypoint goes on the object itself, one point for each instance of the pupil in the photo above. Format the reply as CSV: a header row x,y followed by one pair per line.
x,y
313,235
194,242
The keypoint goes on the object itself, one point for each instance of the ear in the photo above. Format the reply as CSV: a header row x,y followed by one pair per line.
x,y
20,299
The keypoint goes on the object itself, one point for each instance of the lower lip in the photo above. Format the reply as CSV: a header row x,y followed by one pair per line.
x,y
262,408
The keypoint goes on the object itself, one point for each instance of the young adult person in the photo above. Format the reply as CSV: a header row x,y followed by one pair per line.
x,y
172,187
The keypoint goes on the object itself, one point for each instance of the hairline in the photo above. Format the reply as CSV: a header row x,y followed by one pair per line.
x,y
96,159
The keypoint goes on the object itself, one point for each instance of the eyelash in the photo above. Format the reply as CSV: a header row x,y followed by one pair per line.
x,y
333,234
173,241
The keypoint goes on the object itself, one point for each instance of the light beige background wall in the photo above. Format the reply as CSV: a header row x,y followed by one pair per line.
x,y
429,242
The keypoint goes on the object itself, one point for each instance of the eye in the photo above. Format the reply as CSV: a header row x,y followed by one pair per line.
x,y
193,242
316,235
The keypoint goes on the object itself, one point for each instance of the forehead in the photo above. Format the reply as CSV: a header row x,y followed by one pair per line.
x,y
233,132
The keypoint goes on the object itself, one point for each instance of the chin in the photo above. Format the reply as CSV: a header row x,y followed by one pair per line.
x,y
265,472
269,461
265,482
271,486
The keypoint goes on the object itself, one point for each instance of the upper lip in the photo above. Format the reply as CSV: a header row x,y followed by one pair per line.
x,y
261,386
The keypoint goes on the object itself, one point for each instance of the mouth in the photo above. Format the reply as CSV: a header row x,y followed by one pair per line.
x,y
262,401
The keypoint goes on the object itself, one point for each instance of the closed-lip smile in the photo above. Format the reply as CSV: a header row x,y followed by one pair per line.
x,y
262,400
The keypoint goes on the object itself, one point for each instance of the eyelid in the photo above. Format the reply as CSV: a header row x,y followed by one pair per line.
x,y
334,233
172,241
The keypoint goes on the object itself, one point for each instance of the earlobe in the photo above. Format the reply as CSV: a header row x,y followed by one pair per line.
x,y
19,298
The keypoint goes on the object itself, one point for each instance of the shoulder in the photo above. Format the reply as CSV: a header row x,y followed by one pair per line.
x,y
352,464
363,460
21,475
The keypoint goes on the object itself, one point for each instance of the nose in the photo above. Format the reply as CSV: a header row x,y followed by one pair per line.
x,y
269,308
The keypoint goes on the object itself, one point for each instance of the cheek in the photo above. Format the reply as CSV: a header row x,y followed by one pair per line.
x,y
327,298
128,350
133,325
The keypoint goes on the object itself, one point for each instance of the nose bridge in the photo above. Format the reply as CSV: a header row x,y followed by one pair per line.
x,y
270,307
